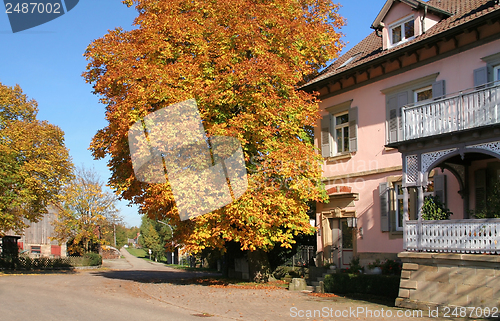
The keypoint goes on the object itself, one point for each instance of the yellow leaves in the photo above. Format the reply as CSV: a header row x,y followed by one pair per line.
x,y
242,61
34,161
85,212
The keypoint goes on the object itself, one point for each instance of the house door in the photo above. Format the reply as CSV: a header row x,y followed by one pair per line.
x,y
342,250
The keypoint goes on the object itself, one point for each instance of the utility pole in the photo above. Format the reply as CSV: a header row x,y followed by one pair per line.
x,y
171,231
114,230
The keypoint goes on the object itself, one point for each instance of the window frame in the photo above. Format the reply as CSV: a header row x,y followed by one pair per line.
x,y
419,90
334,149
397,197
400,23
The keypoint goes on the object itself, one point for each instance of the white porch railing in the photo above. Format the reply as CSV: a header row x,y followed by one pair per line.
x,y
464,236
465,110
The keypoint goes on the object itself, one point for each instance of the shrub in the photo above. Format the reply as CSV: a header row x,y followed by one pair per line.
x,y
280,272
434,209
92,259
354,266
373,284
391,267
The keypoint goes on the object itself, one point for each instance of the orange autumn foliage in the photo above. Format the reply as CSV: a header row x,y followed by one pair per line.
x,y
243,62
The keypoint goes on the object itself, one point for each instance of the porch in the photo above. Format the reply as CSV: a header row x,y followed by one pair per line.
x,y
458,236
459,133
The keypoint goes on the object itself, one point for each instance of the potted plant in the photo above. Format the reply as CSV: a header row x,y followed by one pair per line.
x,y
375,267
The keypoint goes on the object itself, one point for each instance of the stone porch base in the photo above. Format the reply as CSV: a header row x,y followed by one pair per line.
x,y
430,280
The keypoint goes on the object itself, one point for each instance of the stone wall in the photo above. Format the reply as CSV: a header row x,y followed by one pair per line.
x,y
449,279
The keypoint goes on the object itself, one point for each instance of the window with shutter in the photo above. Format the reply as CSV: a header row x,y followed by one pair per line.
x,y
339,130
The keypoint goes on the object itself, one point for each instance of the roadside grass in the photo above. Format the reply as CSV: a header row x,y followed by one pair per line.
x,y
140,253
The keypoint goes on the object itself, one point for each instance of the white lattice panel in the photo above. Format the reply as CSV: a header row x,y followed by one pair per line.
x,y
429,158
493,147
411,169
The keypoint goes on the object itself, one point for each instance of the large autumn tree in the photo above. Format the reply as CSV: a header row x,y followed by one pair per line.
x,y
242,61
34,162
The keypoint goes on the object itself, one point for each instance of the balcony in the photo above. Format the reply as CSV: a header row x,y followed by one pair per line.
x,y
459,236
468,109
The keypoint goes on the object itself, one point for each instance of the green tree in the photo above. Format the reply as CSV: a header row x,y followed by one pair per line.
x,y
85,213
34,162
243,62
155,236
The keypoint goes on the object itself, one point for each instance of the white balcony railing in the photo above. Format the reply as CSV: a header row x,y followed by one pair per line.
x,y
465,110
462,236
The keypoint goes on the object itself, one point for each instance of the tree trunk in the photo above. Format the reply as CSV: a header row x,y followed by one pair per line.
x,y
258,266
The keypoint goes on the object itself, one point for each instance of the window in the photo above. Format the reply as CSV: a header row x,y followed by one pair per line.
x,y
339,128
496,74
419,90
391,201
401,31
341,133
36,249
422,94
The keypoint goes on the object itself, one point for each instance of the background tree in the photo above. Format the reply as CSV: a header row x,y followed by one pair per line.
x,y
34,162
242,61
118,230
155,236
86,213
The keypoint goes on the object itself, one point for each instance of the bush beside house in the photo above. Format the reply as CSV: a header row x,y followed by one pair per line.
x,y
372,284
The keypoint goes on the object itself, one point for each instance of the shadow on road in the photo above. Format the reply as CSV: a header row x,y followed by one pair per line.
x,y
172,277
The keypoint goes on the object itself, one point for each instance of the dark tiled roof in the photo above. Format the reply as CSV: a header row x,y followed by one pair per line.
x,y
371,48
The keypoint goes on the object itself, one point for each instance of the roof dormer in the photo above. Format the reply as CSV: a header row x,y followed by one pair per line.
x,y
400,21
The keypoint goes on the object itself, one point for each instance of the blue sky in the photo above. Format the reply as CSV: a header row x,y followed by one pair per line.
x,y
47,62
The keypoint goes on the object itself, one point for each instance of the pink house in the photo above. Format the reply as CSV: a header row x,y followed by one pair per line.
x,y
412,110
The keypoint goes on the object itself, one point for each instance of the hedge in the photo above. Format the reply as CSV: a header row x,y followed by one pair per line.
x,y
45,263
374,284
